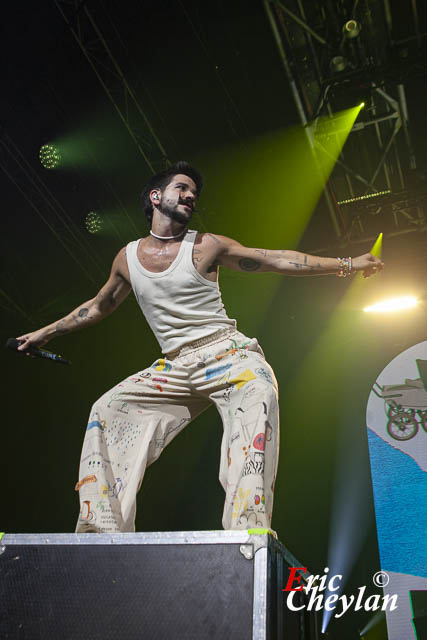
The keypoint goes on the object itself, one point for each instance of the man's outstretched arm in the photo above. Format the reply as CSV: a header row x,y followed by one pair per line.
x,y
109,297
233,255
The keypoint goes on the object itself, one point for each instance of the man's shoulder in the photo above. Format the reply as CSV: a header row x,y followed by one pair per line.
x,y
120,263
213,239
208,243
122,253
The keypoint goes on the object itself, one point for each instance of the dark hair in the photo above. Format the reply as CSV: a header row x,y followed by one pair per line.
x,y
161,181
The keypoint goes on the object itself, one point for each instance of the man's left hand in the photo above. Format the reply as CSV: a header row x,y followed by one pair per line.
x,y
367,263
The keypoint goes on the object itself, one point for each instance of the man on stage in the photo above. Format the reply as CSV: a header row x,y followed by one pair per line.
x,y
174,275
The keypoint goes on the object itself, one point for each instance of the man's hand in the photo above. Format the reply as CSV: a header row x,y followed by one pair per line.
x,y
367,263
34,339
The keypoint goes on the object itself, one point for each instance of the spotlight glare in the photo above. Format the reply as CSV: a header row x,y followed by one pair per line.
x,y
394,304
362,104
49,156
93,222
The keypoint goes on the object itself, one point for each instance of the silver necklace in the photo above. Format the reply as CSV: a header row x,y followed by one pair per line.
x,y
166,237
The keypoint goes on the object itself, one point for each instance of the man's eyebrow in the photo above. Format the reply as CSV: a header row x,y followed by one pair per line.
x,y
185,184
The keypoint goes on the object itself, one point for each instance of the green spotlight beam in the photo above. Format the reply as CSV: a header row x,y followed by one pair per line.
x,y
329,135
94,148
264,195
377,249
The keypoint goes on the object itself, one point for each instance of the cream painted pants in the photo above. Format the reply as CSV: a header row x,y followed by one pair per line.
x,y
130,425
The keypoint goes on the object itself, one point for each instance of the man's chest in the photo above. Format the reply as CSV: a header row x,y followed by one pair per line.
x,y
161,258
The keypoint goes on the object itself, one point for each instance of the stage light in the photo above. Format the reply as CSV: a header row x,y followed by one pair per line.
x,y
368,196
393,304
338,63
49,156
362,104
93,222
351,29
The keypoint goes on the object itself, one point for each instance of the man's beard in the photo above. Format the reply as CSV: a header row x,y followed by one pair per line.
x,y
172,213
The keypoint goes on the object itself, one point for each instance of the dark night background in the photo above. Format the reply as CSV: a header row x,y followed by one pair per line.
x,y
209,78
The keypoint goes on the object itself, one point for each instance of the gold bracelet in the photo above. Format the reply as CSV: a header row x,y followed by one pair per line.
x,y
346,267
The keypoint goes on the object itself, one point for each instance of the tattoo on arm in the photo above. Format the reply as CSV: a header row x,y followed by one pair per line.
x,y
82,314
197,258
263,252
297,265
247,264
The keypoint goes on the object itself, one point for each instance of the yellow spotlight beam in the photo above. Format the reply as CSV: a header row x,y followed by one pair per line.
x,y
378,247
264,194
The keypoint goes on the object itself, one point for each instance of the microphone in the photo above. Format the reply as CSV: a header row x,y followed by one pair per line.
x,y
13,344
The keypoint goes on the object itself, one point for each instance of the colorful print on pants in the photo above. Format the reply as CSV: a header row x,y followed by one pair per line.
x,y
130,425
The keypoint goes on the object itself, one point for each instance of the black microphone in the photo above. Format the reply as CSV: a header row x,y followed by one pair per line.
x,y
13,344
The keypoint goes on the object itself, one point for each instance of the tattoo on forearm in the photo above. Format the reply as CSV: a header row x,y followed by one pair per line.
x,y
247,264
82,314
307,267
263,252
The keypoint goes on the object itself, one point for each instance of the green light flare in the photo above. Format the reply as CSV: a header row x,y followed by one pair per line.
x,y
329,135
50,156
263,194
378,246
93,222
95,144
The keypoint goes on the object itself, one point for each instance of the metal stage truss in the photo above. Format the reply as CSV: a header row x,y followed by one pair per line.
x,y
337,54
95,47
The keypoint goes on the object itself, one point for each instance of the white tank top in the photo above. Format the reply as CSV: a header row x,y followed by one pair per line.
x,y
179,304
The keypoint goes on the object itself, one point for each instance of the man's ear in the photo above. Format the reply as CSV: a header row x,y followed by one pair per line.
x,y
155,196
